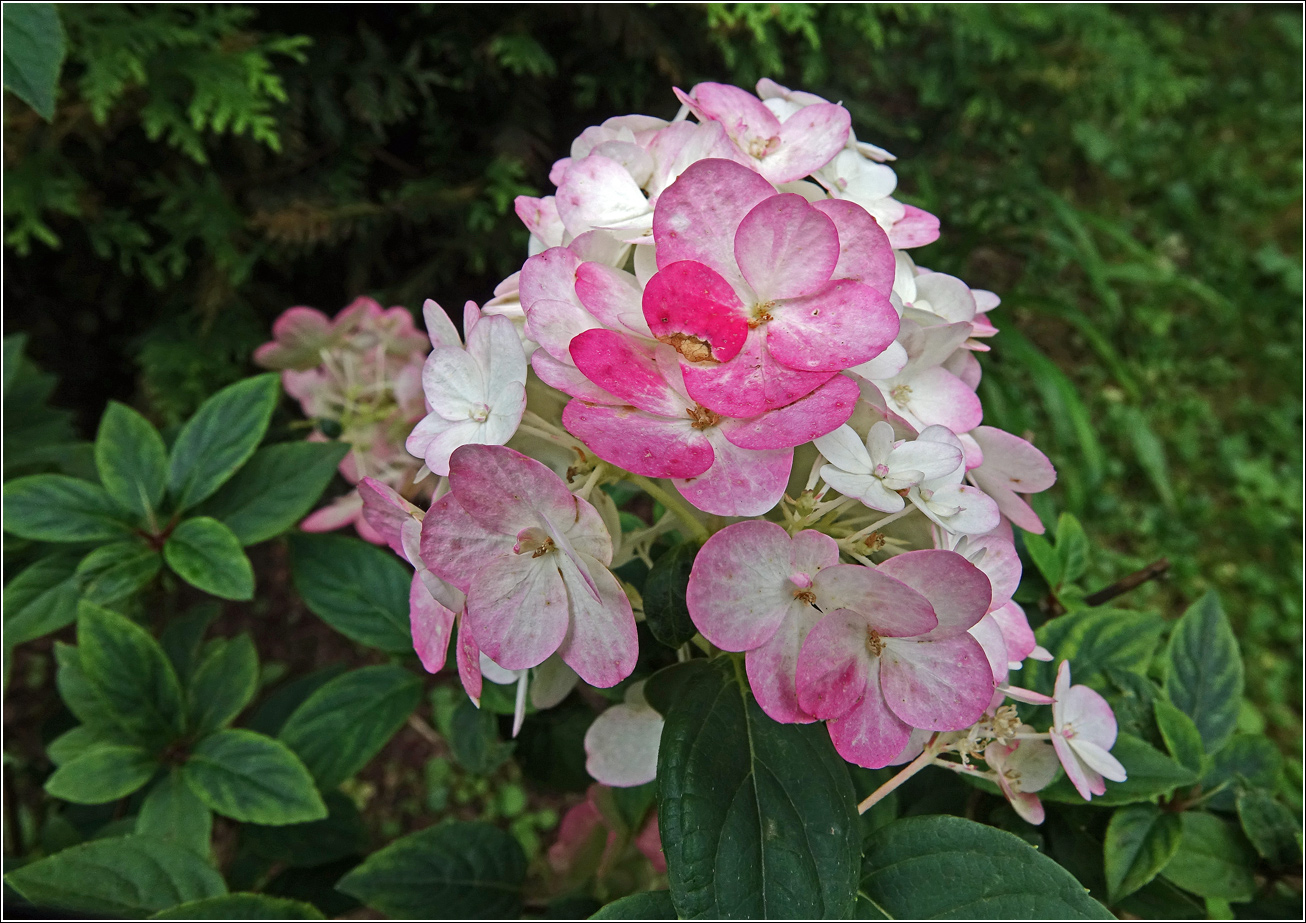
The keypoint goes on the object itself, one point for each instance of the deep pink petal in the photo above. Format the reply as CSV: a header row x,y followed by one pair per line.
x,y
739,589
916,228
569,380
870,734
626,368
697,215
835,666
744,116
865,254
1017,634
786,248
890,606
825,409
517,608
843,324
741,482
386,511
942,685
455,546
640,442
751,383
691,307
469,662
601,645
431,625
956,588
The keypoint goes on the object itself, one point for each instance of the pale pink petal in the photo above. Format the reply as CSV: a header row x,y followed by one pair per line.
x,y
502,489
942,685
744,116
554,313
570,380
739,589
966,367
813,551
1036,762
439,326
517,607
541,218
915,229
682,144
691,300
469,662
299,335
751,383
786,248
626,368
621,746
957,589
973,511
1011,465
697,215
835,667
1060,690
455,546
807,418
435,439
809,139
597,193
890,606
601,644
773,667
989,636
837,327
641,443
343,510
1088,713
937,397
1016,632
1000,563
948,297
870,734
1087,782
886,365
1098,759
865,255
431,625
741,482
612,296
494,345
846,451
386,511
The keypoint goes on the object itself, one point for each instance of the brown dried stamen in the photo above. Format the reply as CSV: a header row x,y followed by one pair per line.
x,y
761,314
805,596
702,417
545,547
691,347
874,645
874,542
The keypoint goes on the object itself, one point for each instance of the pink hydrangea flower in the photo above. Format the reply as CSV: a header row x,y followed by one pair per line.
x,y
878,666
532,559
621,746
1011,467
758,291
1083,733
1023,767
876,470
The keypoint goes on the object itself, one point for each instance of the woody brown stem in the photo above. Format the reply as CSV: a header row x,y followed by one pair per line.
x,y
1129,582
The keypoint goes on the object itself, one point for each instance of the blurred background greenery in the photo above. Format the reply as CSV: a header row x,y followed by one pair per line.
x,y
1127,178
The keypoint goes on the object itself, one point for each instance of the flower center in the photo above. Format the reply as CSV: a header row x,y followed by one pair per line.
x,y
760,147
761,314
881,470
533,540
691,347
900,394
702,417
479,412
874,644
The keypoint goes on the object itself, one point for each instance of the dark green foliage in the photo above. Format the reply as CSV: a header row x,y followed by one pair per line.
x,y
757,818
241,907
252,778
648,905
34,52
664,596
358,589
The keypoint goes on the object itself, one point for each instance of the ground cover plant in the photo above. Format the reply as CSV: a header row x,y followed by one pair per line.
x,y
708,457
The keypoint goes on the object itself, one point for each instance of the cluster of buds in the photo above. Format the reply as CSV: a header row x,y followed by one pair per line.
x,y
706,301
357,377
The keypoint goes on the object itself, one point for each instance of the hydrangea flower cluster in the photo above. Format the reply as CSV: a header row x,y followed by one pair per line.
x,y
723,311
357,377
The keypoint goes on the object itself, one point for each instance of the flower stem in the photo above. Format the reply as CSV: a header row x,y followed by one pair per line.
x,y
915,766
674,504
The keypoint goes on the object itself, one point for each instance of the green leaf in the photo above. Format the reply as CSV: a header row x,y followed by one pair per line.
x,y
474,739
220,438
115,571
82,699
1181,736
41,599
1094,640
940,867
275,489
132,460
1140,840
665,609
1204,676
223,684
206,554
1151,775
1272,829
57,508
34,53
345,723
241,906
252,778
1072,548
318,842
73,742
1213,859
182,638
127,876
1256,759
455,870
173,813
102,773
358,589
647,905
757,818
1045,559
130,675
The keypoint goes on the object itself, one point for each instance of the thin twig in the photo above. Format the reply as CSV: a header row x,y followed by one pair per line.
x,y
1127,583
